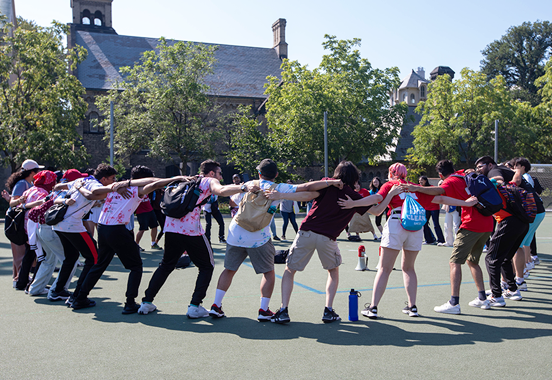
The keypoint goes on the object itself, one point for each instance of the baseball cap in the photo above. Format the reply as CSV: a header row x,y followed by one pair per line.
x,y
31,164
268,168
73,174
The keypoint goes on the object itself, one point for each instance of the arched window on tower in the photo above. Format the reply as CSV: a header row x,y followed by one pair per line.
x,y
422,92
98,18
85,17
94,122
412,98
405,97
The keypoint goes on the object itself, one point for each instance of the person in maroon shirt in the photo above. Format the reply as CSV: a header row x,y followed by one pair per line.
x,y
319,231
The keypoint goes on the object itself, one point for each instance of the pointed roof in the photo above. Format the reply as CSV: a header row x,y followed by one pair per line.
x,y
7,8
413,80
240,71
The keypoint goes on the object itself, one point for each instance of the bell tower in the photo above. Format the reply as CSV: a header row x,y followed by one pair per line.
x,y
92,15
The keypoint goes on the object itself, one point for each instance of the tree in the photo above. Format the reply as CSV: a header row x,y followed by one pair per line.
x,y
40,101
458,120
519,56
361,123
162,104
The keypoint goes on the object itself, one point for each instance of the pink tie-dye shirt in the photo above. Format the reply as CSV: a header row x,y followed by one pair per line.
x,y
117,210
190,224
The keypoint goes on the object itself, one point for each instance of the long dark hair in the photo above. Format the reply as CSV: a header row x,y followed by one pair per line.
x,y
347,172
374,188
425,179
18,176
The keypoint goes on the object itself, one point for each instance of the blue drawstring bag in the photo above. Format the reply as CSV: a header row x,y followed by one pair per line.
x,y
413,215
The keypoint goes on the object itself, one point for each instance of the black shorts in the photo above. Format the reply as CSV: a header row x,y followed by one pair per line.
x,y
147,220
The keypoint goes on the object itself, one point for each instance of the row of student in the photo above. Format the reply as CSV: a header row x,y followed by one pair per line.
x,y
325,221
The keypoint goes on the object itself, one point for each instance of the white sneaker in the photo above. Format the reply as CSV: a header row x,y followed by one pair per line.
x,y
536,260
447,308
522,286
496,301
530,265
514,296
479,303
197,312
146,308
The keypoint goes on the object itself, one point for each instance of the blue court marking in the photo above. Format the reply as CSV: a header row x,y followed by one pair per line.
x,y
363,290
295,283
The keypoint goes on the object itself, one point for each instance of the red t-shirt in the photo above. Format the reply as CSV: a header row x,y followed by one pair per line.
x,y
472,220
423,199
364,193
145,206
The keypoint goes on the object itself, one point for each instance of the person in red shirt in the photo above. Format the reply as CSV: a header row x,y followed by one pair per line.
x,y
394,238
470,238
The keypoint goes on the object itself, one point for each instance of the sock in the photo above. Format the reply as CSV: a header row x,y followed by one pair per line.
x,y
264,303
482,296
194,305
219,295
454,300
329,308
519,280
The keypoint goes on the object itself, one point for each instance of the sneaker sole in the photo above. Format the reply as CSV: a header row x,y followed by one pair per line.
x,y
199,316
215,315
330,320
264,318
280,322
452,312
143,312
369,315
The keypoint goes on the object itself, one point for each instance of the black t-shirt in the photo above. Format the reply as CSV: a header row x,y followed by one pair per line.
x,y
501,171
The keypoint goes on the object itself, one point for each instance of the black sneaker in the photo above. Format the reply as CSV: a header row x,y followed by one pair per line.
x,y
281,316
216,312
411,311
222,240
83,304
276,238
370,312
58,296
130,308
330,316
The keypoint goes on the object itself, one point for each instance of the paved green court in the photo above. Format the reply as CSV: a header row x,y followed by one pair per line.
x,y
45,340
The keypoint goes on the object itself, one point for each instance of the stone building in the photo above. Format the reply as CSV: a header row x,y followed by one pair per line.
x,y
238,79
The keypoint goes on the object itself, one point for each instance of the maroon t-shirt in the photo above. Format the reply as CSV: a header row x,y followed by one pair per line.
x,y
326,217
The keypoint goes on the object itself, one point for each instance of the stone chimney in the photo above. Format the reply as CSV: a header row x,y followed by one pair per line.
x,y
421,72
279,31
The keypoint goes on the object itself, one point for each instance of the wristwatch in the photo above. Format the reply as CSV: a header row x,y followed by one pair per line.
x,y
243,188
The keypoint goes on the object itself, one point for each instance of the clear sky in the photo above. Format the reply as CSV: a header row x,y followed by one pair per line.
x,y
406,34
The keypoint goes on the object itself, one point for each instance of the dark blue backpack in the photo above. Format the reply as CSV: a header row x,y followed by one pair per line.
x,y
480,186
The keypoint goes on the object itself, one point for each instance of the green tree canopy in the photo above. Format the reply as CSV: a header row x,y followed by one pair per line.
x,y
519,56
361,123
162,104
458,120
40,101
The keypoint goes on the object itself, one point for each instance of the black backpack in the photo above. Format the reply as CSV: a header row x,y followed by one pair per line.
x,y
14,225
181,198
487,195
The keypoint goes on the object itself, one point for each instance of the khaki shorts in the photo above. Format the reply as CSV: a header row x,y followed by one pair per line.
x,y
468,245
303,247
262,258
395,237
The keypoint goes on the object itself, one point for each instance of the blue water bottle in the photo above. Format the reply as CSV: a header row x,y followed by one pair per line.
x,y
353,305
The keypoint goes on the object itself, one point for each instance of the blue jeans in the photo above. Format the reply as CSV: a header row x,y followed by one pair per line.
x,y
288,217
428,235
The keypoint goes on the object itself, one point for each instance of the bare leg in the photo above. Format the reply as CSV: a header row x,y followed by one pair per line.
x,y
267,284
455,279
409,275
153,234
331,286
287,286
527,251
519,262
225,279
387,260
477,275
139,236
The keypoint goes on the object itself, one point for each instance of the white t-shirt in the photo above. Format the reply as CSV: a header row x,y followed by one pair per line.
x,y
529,179
117,210
73,217
240,237
190,224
